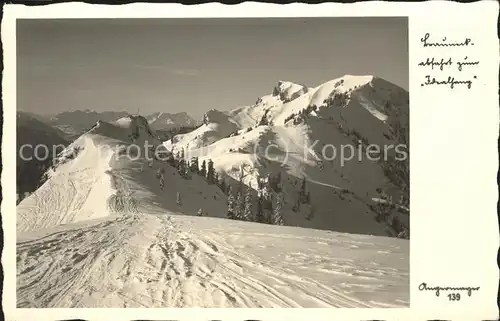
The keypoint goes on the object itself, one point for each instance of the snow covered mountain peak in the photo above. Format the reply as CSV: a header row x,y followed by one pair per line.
x,y
136,128
113,162
290,101
287,133
288,91
215,116
165,121
355,80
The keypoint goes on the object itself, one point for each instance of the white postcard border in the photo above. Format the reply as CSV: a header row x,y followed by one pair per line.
x,y
454,160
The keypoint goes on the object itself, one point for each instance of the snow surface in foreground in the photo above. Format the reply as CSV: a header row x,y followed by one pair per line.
x,y
147,260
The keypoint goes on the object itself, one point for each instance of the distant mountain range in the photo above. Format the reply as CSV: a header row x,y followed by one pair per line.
x,y
75,123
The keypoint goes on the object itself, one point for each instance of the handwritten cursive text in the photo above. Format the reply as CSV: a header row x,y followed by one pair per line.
x,y
466,63
443,43
434,62
450,81
437,289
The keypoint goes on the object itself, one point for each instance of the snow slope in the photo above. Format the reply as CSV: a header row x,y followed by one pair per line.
x,y
90,171
294,132
161,260
217,125
76,191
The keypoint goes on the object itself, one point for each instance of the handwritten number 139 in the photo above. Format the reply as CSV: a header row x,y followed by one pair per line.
x,y
454,297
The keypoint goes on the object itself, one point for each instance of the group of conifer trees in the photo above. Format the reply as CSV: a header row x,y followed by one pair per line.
x,y
263,205
187,168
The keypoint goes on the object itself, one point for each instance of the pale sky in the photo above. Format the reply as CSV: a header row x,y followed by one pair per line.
x,y
193,65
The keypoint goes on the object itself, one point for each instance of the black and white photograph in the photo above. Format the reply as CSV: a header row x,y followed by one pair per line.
x,y
213,162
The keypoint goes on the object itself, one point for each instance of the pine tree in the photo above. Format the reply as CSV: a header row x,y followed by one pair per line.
x,y
278,182
240,206
277,215
303,188
203,170
210,172
162,182
259,215
263,194
194,165
222,184
230,204
247,213
240,180
178,201
267,202
268,208
182,168
216,178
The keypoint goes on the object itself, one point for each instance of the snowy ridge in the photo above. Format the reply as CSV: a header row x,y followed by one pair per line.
x,y
93,166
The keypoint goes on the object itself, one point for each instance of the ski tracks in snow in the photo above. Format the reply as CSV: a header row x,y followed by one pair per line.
x,y
201,269
142,260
